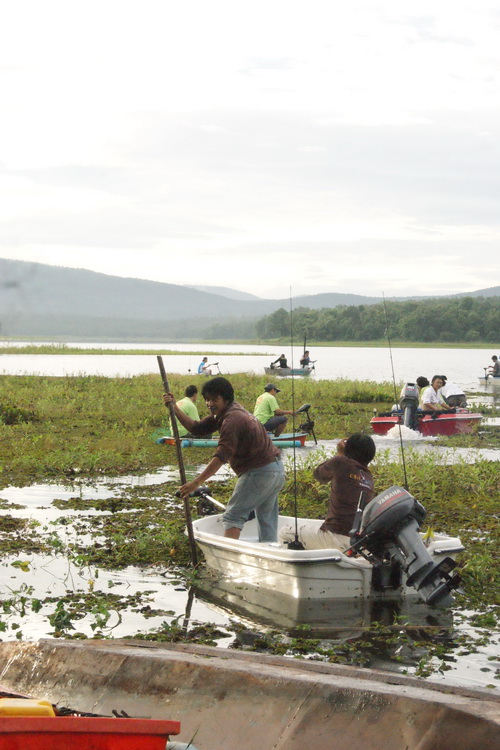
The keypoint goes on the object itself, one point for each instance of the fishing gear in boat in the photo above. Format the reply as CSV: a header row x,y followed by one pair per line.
x,y
295,544
309,425
203,498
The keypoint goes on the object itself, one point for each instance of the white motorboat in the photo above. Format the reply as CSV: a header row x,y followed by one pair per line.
x,y
490,381
398,562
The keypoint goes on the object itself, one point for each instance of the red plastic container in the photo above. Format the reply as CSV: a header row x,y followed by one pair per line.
x,y
83,733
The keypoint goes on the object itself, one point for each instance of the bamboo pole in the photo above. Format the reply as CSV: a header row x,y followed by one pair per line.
x,y
180,461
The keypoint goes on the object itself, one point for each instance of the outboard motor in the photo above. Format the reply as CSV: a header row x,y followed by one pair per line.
x,y
389,531
409,401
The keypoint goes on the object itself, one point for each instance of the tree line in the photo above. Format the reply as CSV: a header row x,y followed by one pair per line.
x,y
457,319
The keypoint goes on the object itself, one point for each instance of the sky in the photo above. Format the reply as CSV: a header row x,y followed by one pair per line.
x,y
272,147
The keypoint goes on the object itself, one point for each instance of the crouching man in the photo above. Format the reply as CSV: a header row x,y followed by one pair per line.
x,y
349,476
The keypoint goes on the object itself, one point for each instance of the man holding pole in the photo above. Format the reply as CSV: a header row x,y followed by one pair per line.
x,y
246,446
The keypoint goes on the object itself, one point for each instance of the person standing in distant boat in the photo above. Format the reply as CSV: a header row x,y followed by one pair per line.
x,y
267,411
430,398
246,446
305,360
282,361
494,369
350,478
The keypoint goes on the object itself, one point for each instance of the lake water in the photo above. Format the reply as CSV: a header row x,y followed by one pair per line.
x,y
462,366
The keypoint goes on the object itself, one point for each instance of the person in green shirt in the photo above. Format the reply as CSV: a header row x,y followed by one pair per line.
x,y
188,406
267,411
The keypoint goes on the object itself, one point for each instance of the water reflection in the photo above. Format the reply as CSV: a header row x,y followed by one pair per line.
x,y
325,618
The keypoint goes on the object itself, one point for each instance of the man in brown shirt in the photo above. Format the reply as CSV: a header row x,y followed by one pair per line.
x,y
349,476
246,446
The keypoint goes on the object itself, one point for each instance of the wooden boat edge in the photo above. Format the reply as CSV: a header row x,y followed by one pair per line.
x,y
221,692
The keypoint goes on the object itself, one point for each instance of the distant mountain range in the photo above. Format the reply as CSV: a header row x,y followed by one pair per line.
x,y
42,300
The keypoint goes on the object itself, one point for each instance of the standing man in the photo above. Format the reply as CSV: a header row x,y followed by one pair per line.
x,y
430,396
349,476
245,445
305,359
268,412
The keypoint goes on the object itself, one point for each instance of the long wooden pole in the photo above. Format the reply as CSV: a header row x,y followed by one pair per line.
x,y
180,461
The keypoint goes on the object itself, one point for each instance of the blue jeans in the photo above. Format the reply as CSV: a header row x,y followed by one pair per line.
x,y
257,490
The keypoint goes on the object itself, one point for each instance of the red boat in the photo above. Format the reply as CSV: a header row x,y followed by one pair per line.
x,y
438,423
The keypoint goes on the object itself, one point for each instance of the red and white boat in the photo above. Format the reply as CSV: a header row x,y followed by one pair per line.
x,y
438,423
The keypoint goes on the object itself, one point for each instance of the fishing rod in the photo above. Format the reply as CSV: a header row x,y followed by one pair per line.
x,y
180,461
396,397
296,543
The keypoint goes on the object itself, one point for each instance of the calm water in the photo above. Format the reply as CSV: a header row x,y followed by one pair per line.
x,y
463,366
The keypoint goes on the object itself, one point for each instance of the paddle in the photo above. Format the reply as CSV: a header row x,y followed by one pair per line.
x,y
180,461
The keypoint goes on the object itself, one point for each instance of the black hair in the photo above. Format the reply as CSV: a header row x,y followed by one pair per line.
x,y
437,376
218,387
422,381
360,447
190,391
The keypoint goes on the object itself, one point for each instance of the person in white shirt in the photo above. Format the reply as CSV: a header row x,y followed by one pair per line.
x,y
430,399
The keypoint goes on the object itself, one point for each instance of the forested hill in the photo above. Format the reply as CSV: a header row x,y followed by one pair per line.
x,y
457,319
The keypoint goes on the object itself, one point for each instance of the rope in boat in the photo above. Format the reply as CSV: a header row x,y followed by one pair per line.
x,y
396,397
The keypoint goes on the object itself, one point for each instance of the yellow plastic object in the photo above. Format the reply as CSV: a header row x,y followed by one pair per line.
x,y
25,707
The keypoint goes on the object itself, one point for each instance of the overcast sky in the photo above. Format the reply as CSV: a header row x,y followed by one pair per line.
x,y
266,146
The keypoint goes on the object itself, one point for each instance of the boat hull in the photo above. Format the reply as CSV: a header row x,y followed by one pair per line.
x,y
287,372
231,699
325,574
443,424
289,439
493,382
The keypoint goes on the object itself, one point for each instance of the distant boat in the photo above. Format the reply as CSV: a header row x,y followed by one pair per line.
x,y
286,372
490,380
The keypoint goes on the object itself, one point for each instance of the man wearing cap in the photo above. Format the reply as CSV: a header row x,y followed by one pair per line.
x,y
268,412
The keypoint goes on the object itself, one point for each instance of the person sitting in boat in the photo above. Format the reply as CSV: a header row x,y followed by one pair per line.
x,y
282,362
349,476
305,360
246,446
267,410
204,367
188,406
451,394
494,369
429,400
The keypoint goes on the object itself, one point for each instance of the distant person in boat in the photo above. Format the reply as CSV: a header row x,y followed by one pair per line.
x,y
267,410
204,367
188,406
494,369
282,362
349,476
429,400
305,360
451,394
246,446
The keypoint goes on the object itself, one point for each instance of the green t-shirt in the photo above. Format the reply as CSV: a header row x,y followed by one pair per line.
x,y
265,406
189,408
